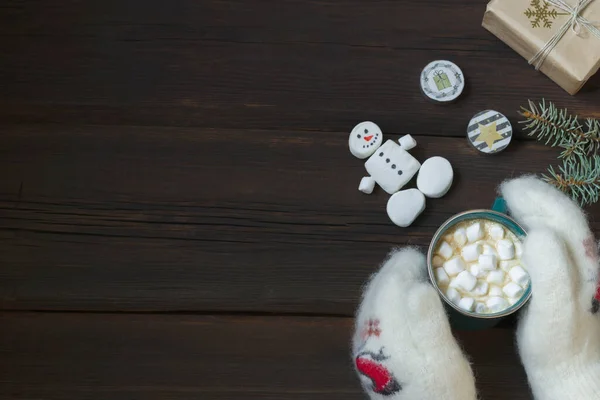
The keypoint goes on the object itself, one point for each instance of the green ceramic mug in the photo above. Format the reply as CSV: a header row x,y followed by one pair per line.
x,y
459,318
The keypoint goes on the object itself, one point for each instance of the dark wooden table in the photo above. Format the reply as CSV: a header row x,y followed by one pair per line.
x,y
179,213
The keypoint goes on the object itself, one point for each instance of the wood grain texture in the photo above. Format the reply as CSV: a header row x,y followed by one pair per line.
x,y
100,356
288,65
163,219
192,156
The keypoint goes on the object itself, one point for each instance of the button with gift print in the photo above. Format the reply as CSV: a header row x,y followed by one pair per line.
x,y
489,131
442,81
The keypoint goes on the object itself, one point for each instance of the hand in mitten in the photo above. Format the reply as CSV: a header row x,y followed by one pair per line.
x,y
403,347
559,331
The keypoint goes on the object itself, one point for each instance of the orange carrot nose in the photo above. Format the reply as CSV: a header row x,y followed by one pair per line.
x,y
367,138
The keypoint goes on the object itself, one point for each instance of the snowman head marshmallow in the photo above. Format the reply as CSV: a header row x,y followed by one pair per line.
x,y
365,138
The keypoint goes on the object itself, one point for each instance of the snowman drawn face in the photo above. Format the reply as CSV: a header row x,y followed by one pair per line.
x,y
365,138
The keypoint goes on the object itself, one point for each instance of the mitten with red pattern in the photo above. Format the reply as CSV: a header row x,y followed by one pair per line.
x,y
559,330
402,347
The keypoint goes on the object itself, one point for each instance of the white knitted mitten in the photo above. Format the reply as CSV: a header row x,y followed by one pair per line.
x,y
559,331
402,347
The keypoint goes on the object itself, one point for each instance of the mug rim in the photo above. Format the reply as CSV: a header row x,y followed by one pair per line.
x,y
510,310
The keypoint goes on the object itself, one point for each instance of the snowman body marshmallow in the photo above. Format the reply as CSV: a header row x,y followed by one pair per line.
x,y
392,167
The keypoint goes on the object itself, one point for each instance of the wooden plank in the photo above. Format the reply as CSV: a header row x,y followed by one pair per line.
x,y
157,219
99,356
301,65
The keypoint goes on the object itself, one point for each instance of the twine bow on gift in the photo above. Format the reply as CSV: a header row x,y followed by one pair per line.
x,y
575,22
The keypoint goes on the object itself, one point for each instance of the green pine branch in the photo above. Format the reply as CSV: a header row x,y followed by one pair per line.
x,y
579,174
579,177
557,127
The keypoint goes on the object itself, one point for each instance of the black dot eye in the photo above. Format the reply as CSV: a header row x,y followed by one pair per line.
x,y
393,166
381,154
387,160
400,172
358,136
366,131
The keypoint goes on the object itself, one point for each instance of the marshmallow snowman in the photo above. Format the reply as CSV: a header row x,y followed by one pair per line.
x,y
391,167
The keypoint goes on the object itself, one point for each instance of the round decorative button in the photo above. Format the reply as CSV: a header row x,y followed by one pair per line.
x,y
489,132
442,81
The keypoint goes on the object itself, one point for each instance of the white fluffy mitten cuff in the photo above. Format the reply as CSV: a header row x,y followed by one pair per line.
x,y
402,347
559,331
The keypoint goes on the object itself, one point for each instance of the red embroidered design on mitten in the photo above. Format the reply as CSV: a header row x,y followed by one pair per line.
x,y
596,300
591,248
382,380
591,251
371,329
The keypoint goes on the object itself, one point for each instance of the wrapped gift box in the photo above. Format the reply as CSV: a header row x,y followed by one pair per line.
x,y
533,29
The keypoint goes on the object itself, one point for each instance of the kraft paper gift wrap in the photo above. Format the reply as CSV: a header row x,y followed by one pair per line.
x,y
528,25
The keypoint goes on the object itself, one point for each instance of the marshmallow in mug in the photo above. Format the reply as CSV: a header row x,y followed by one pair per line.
x,y
477,265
